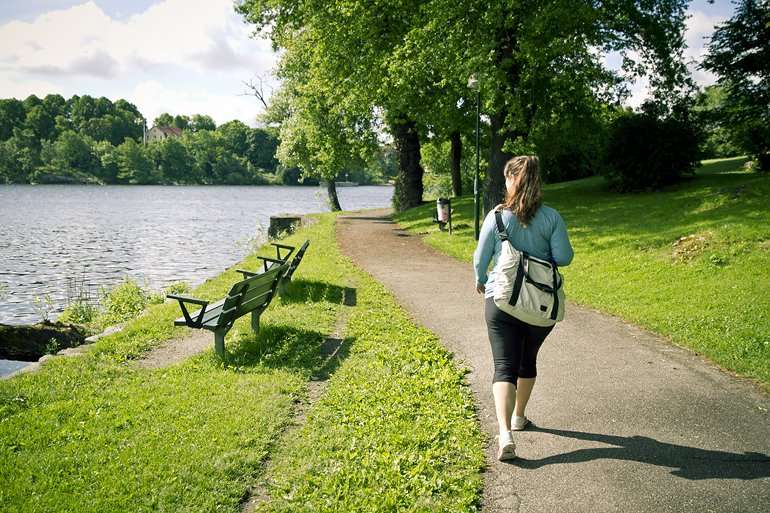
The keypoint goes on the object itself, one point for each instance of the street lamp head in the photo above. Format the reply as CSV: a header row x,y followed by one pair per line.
x,y
473,83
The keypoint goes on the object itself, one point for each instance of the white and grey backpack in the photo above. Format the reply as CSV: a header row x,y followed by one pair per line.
x,y
528,288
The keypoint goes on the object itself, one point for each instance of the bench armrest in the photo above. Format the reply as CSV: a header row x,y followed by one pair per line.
x,y
198,322
265,260
279,247
245,273
188,299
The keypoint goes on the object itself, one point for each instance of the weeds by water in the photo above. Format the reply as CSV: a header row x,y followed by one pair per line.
x,y
121,303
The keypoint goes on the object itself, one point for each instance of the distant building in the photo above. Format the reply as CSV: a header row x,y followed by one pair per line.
x,y
158,133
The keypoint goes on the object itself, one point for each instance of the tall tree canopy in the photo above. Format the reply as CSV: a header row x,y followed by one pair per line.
x,y
739,53
536,61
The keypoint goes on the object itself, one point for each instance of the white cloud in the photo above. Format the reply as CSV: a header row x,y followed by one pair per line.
x,y
700,27
187,57
170,32
156,98
13,87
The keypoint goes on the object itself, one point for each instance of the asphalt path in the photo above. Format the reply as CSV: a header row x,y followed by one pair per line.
x,y
624,421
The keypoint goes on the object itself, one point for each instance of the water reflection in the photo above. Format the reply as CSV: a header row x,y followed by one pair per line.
x,y
52,235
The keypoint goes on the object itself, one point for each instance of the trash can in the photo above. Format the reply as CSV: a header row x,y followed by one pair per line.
x,y
444,213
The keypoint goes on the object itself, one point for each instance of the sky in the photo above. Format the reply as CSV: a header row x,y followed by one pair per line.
x,y
177,56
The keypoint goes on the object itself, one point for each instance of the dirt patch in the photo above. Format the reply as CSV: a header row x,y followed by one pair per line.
x,y
176,350
688,247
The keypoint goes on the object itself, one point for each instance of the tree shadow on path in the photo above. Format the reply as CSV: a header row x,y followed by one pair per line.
x,y
689,462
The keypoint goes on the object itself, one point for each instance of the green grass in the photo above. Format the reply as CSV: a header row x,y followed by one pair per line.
x,y
711,295
96,433
395,431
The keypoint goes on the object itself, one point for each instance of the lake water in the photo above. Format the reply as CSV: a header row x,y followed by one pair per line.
x,y
54,236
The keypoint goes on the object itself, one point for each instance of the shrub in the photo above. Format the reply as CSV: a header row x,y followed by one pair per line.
x,y
126,301
177,287
645,152
571,149
79,312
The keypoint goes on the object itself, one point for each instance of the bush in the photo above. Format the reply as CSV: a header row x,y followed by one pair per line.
x,y
645,152
79,312
126,301
571,149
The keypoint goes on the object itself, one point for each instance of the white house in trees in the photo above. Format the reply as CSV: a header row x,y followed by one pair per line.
x,y
158,133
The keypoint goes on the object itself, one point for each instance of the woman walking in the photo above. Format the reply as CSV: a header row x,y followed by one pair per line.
x,y
539,231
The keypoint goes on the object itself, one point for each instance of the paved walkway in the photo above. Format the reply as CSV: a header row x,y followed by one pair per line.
x,y
625,422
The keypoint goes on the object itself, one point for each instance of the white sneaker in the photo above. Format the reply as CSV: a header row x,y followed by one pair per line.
x,y
507,449
519,423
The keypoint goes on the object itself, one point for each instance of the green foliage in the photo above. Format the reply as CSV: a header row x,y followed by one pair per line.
x,y
708,111
739,53
628,258
125,301
92,140
134,164
80,312
645,152
43,307
436,159
571,149
177,287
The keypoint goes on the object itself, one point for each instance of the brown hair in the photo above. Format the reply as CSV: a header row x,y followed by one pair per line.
x,y
526,197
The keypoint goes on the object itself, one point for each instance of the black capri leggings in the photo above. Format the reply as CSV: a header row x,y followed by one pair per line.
x,y
514,344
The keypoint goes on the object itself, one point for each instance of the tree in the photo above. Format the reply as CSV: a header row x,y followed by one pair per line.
x,y
539,60
262,147
708,110
235,136
739,53
164,119
19,156
134,165
535,61
317,139
202,122
173,161
70,153
182,121
340,51
41,122
12,115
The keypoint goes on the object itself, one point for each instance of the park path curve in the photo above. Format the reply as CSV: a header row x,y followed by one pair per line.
x,y
624,421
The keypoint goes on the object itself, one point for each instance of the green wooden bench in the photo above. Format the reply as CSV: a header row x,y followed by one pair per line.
x,y
292,265
250,295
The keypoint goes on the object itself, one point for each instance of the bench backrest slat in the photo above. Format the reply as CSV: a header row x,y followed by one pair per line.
x,y
246,293
296,260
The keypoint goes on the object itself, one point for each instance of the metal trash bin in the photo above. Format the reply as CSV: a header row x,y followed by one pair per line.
x,y
443,215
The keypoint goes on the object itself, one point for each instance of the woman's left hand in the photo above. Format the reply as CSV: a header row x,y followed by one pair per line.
x,y
480,288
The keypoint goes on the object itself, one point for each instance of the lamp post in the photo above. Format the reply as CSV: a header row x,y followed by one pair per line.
x,y
473,83
144,129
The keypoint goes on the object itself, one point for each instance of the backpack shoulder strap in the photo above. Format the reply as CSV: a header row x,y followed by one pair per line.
x,y
501,233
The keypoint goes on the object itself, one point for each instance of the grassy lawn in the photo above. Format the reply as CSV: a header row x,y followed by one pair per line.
x,y
709,292
96,433
395,431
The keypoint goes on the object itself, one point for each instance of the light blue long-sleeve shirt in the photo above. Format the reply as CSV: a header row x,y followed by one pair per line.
x,y
545,238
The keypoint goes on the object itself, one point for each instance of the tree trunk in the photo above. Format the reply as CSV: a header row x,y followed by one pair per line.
x,y
457,156
334,202
494,190
408,191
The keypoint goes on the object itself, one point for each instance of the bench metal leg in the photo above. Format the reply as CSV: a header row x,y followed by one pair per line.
x,y
219,342
255,320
